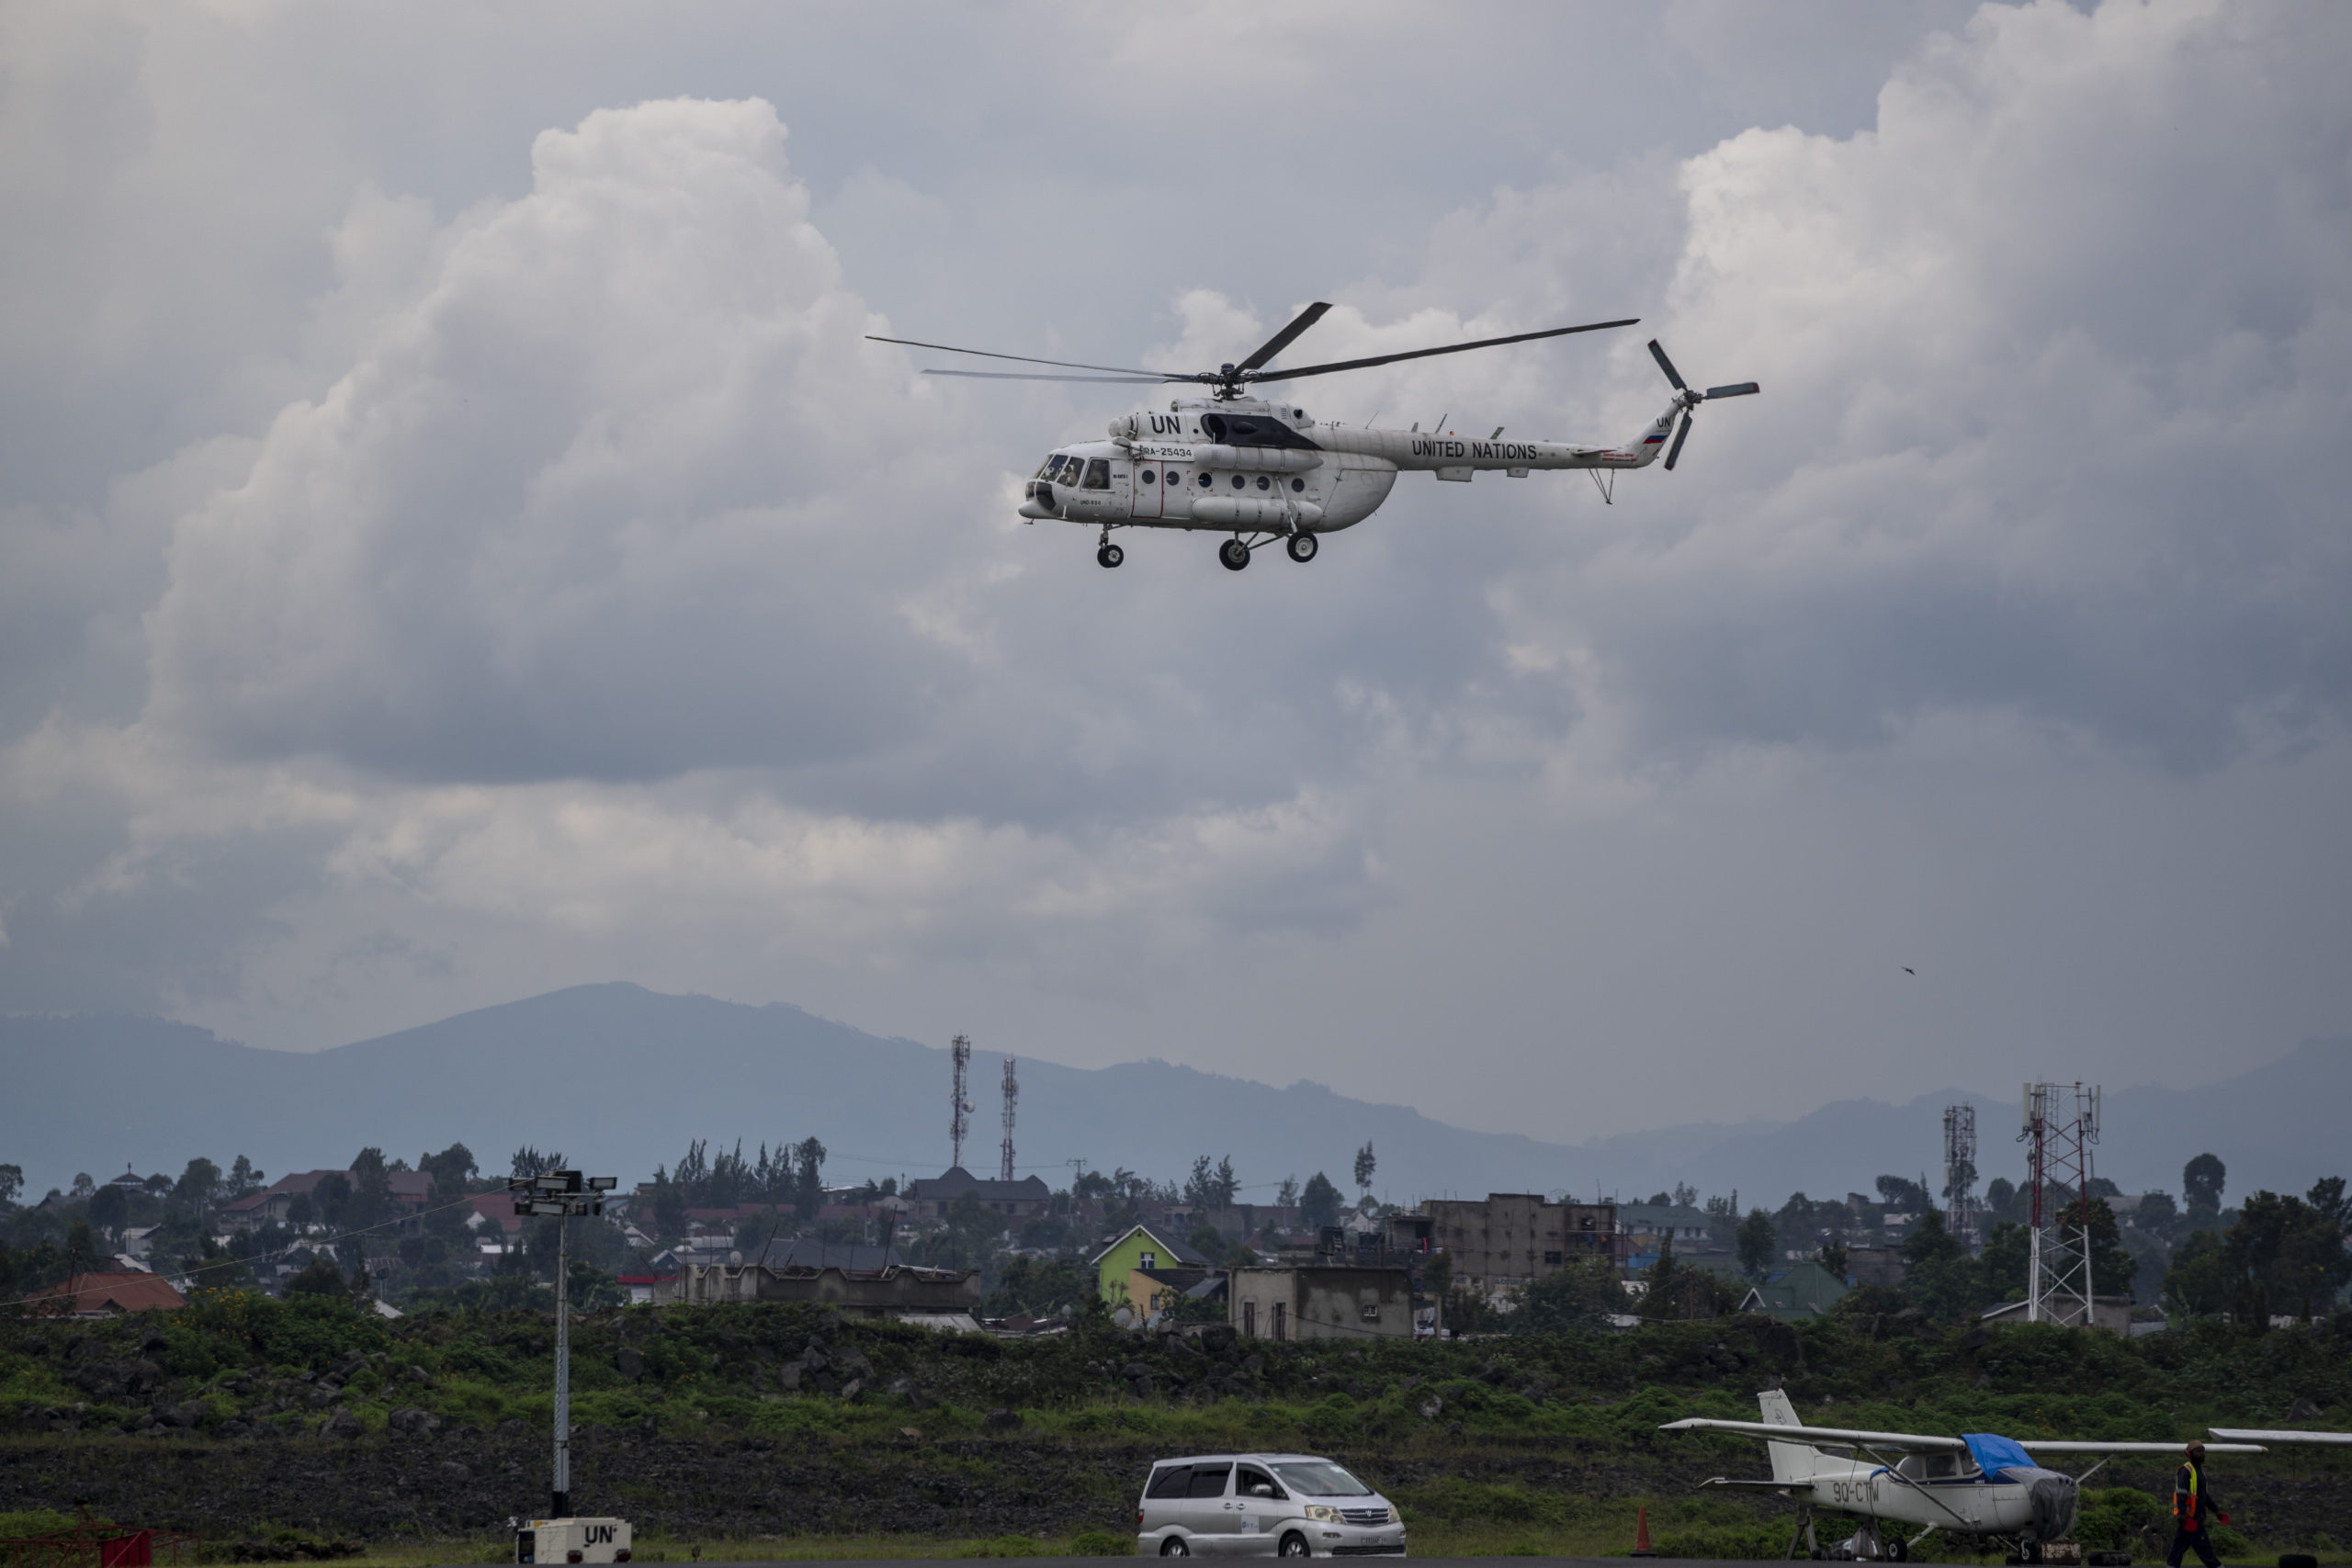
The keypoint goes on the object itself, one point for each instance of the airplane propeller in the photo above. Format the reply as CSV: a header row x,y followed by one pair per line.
x,y
1227,380
1690,400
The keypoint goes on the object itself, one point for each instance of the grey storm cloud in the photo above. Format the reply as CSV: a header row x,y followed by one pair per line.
x,y
448,562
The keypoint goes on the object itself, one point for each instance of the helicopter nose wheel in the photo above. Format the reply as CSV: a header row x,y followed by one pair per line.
x,y
1234,553
1110,555
1301,547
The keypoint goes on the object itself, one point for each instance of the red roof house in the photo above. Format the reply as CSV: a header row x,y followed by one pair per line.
x,y
410,1191
106,1295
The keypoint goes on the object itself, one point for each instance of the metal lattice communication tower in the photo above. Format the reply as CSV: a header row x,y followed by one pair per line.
x,y
1011,1094
1959,1171
959,1051
2060,1126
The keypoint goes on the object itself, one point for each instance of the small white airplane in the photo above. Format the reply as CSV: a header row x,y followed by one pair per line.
x,y
1265,471
1973,1485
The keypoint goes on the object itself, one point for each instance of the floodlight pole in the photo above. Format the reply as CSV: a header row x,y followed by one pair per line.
x,y
562,1503
561,1195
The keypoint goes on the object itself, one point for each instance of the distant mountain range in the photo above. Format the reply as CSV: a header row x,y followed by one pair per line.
x,y
619,1078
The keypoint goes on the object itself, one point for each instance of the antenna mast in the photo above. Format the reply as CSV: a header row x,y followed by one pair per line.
x,y
2060,1125
1011,1094
1960,1173
959,1051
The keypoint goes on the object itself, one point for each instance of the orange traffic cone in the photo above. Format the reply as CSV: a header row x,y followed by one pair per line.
x,y
1642,1533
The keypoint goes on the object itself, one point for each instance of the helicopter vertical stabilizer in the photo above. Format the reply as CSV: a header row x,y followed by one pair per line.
x,y
1650,446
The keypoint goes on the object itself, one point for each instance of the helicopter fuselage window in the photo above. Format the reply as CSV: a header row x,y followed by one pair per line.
x,y
1297,485
1263,481
1098,474
1146,475
1208,479
1239,482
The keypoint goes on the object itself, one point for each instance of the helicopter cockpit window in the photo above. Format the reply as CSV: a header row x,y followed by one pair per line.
x,y
1046,469
1098,474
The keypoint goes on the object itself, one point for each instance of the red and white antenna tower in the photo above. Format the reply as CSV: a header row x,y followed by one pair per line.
x,y
1011,1094
2060,1125
959,1051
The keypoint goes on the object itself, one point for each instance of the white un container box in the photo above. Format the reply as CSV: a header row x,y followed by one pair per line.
x,y
572,1541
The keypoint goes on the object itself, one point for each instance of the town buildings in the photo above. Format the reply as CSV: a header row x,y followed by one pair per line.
x,y
1138,1248
409,1190
1509,1239
929,1198
1337,1301
105,1296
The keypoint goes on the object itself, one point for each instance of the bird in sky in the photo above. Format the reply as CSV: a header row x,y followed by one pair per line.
x,y
1908,970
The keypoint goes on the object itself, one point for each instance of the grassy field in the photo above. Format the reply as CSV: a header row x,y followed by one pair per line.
x,y
770,1432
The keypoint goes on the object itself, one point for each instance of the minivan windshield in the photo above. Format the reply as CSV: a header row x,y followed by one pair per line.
x,y
1320,1478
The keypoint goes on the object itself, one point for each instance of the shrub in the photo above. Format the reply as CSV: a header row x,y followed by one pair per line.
x,y
1006,1546
1749,1543
40,1521
1102,1543
2116,1519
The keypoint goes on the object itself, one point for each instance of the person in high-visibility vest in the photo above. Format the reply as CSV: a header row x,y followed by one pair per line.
x,y
2193,1509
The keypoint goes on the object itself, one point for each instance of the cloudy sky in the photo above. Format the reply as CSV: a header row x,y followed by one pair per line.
x,y
456,542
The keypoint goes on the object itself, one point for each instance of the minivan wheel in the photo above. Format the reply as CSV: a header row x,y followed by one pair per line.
x,y
1295,1545
1174,1547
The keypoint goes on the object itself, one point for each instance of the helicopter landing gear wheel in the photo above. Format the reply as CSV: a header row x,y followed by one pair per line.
x,y
1109,555
1301,547
1234,553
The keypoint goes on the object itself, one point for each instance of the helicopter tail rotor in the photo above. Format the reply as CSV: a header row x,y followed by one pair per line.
x,y
1691,399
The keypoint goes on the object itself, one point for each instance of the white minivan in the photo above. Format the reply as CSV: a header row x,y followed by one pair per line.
x,y
1263,1506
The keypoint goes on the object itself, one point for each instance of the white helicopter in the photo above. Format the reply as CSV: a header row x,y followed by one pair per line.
x,y
1265,471
1973,1485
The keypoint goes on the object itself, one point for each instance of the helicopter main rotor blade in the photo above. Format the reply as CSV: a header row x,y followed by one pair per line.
x,y
1283,339
1681,435
1426,353
1668,365
1740,390
1033,376
1025,359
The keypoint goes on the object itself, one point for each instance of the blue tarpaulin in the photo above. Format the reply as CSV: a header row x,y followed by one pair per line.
x,y
1994,1454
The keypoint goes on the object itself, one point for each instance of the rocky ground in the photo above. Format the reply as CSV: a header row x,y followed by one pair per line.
x,y
242,1420
464,1481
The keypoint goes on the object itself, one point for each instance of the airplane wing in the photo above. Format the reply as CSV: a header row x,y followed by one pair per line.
x,y
1770,1433
1915,1442
2252,1435
2038,1445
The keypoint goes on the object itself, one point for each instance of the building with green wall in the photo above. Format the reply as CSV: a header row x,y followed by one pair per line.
x,y
1140,1248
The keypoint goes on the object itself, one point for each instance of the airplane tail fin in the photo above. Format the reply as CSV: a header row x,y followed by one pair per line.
x,y
1791,1461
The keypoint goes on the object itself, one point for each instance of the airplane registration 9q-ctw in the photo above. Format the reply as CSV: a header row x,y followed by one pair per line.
x,y
1261,471
1975,1486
